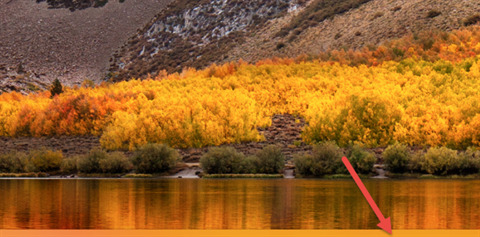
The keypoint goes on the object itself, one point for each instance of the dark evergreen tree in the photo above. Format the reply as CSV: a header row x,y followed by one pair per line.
x,y
56,88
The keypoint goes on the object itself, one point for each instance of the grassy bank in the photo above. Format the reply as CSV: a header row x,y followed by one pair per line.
x,y
243,176
23,175
430,176
138,176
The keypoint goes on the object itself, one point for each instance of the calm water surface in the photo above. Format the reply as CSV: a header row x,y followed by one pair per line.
x,y
235,204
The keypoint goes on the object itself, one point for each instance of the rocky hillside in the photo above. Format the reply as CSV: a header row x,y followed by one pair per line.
x,y
74,40
194,35
370,24
51,41
205,32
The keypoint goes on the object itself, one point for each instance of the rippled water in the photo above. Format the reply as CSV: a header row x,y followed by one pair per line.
x,y
236,204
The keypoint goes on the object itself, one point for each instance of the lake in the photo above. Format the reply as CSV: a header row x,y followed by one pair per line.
x,y
235,204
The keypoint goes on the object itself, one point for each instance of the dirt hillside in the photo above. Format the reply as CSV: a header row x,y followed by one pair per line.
x,y
74,40
198,33
370,24
65,44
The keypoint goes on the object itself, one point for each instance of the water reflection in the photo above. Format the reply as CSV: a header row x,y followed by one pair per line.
x,y
235,204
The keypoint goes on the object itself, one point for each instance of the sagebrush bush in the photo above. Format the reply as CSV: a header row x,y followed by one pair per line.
x,y
69,165
303,164
416,162
12,162
115,163
397,158
90,163
469,161
222,160
44,160
154,158
440,161
249,165
270,160
56,88
325,159
362,161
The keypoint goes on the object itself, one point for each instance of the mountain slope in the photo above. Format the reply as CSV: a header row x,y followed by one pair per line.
x,y
205,32
75,42
59,43
194,35
370,24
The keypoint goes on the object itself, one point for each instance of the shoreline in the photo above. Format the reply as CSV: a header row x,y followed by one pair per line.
x,y
406,176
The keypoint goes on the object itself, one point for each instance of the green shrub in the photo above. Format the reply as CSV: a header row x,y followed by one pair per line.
x,y
445,161
69,165
303,164
440,161
222,160
226,160
326,159
90,164
469,162
362,161
115,163
416,162
154,158
44,160
56,88
397,158
249,165
12,162
270,160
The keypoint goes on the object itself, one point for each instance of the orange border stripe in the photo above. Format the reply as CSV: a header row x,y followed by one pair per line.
x,y
239,233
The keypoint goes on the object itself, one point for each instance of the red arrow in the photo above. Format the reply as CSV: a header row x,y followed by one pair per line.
x,y
384,224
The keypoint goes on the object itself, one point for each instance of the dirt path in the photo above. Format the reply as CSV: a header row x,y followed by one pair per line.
x,y
289,174
189,173
71,46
